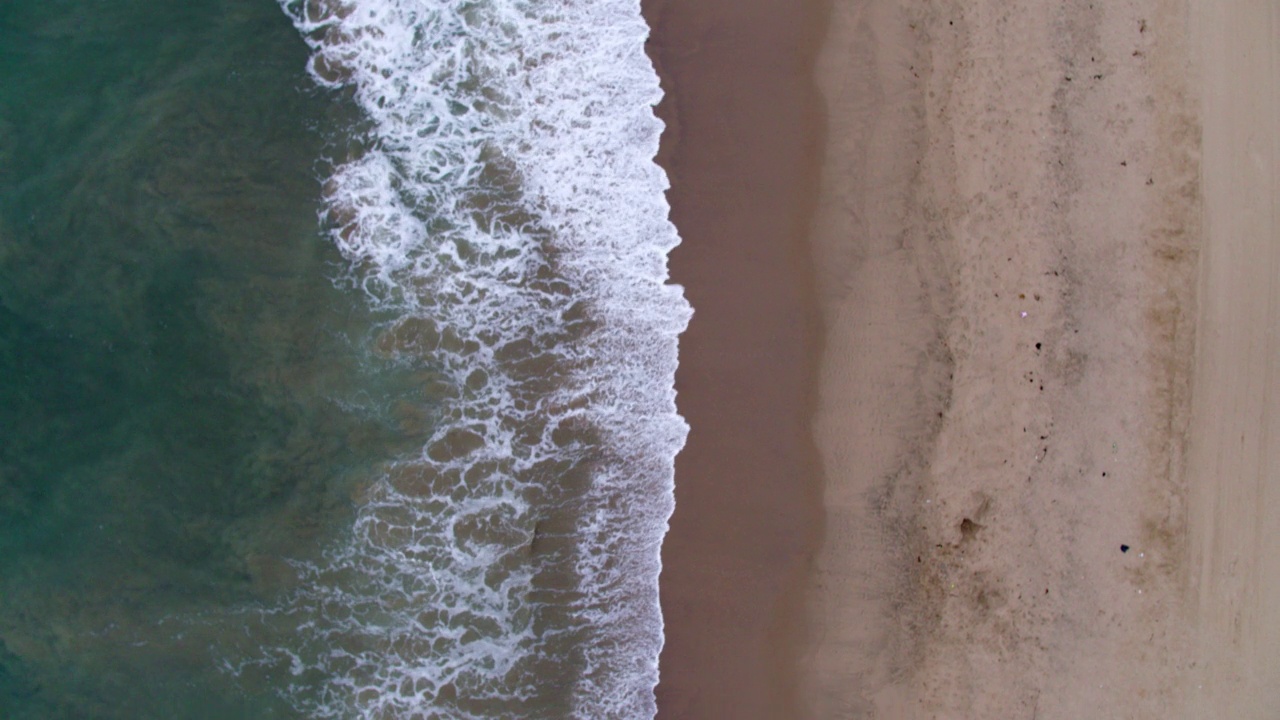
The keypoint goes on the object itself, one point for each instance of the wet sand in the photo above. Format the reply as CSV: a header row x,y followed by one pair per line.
x,y
741,148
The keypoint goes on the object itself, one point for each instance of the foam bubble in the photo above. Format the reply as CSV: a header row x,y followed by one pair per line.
x,y
506,210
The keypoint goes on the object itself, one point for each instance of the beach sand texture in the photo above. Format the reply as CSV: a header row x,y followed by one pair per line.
x,y
1234,448
1050,491
1037,242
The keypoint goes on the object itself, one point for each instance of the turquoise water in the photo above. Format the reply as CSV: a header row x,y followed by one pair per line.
x,y
187,399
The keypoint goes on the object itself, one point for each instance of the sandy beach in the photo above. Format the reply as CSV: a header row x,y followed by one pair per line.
x,y
742,151
1233,466
1042,259
1046,399
1020,526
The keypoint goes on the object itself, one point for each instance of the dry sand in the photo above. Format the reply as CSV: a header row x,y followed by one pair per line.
x,y
1017,380
1234,443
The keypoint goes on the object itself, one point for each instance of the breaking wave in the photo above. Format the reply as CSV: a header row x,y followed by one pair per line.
x,y
500,203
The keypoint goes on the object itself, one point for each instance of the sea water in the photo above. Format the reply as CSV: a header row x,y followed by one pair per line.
x,y
336,359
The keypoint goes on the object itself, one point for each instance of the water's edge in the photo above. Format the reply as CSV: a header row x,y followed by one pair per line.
x,y
503,205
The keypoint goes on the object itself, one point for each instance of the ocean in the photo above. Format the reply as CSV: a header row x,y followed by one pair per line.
x,y
336,359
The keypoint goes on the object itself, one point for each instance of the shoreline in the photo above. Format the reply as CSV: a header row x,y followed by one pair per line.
x,y
744,128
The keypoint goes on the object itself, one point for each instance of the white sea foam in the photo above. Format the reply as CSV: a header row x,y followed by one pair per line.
x,y
507,210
